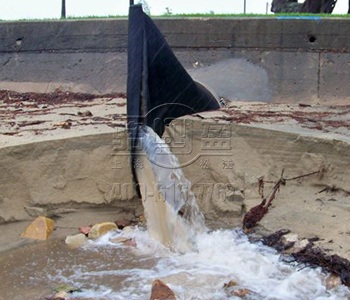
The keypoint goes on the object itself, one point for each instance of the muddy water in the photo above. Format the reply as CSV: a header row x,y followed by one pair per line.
x,y
104,270
165,191
30,272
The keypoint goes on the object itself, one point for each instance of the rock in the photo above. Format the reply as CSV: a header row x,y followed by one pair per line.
x,y
76,241
298,246
65,125
123,223
40,229
332,281
289,238
85,113
100,229
119,240
231,283
130,243
128,229
62,294
241,292
142,219
160,291
85,229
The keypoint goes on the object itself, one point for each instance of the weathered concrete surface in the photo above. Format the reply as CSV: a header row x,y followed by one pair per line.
x,y
263,59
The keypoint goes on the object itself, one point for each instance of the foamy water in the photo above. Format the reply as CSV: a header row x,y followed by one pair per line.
x,y
221,256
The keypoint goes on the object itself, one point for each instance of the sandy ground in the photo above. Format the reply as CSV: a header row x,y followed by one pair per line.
x,y
30,118
27,118
326,122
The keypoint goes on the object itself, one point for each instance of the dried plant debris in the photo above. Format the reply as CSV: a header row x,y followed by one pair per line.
x,y
56,97
316,257
310,255
256,214
274,240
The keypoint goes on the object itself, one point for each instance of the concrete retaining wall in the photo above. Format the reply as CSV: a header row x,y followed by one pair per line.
x,y
273,60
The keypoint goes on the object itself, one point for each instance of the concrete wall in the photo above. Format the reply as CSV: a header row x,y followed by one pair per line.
x,y
273,60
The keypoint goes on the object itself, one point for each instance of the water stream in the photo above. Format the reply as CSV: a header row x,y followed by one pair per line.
x,y
166,194
176,248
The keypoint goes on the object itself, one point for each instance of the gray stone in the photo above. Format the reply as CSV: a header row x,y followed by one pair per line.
x,y
76,241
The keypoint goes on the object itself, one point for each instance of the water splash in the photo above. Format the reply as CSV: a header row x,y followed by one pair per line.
x,y
221,256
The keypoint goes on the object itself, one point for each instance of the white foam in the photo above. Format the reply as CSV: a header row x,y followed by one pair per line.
x,y
221,256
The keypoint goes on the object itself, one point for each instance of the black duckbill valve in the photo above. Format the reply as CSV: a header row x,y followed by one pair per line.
x,y
159,89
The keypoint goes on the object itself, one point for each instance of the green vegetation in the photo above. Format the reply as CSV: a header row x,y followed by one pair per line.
x,y
208,15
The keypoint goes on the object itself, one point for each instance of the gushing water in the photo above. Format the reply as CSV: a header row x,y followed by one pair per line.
x,y
166,195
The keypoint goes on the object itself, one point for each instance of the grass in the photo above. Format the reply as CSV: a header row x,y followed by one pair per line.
x,y
208,15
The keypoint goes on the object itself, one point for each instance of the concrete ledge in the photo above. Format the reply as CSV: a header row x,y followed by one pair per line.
x,y
111,34
250,59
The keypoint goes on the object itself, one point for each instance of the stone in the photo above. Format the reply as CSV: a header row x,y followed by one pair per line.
x,y
298,246
85,113
332,281
65,124
142,219
241,292
128,229
62,294
76,241
130,243
100,229
289,238
85,229
123,223
229,284
40,229
119,240
160,291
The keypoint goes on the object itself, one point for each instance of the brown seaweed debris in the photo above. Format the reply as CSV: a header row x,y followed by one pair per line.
x,y
56,97
316,257
31,123
256,214
274,240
